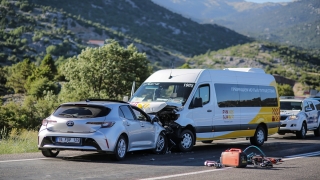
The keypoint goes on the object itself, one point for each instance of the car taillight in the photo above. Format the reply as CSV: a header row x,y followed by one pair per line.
x,y
46,122
103,124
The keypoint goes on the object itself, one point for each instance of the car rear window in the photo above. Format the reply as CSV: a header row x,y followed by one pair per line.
x,y
81,111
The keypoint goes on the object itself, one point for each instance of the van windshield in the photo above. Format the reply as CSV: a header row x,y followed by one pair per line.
x,y
163,92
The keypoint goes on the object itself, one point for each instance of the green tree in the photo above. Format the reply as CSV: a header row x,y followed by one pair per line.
x,y
106,72
42,78
18,75
3,80
285,90
185,66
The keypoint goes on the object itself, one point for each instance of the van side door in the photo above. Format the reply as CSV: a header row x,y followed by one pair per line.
x,y
202,111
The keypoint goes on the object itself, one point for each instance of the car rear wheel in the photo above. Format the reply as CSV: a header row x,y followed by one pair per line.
x,y
302,133
120,150
161,144
259,137
187,141
50,152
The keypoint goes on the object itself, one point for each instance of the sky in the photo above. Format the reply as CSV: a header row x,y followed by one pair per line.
x,y
263,1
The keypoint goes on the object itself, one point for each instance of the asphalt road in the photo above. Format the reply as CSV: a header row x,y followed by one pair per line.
x,y
301,161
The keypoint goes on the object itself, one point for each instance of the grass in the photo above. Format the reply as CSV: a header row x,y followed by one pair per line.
x,y
18,141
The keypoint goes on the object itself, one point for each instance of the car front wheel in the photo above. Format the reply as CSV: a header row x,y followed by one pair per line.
x,y
50,152
187,141
161,144
120,150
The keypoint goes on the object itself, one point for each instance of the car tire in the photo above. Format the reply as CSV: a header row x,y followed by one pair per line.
x,y
302,133
259,137
49,152
207,141
317,131
161,144
120,149
187,141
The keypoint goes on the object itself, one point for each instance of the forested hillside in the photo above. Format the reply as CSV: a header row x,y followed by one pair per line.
x,y
290,62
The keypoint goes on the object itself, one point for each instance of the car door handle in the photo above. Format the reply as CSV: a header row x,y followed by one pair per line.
x,y
209,110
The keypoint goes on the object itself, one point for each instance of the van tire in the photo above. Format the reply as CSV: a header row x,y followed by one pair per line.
x,y
187,141
259,137
302,133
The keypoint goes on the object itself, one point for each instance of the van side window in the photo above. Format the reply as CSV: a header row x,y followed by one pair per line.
x,y
249,96
227,95
203,92
268,96
240,95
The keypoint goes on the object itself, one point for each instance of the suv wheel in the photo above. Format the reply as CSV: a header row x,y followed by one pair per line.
x,y
187,140
302,133
317,131
50,152
259,137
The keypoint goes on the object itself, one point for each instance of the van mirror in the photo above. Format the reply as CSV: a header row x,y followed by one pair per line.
x,y
196,102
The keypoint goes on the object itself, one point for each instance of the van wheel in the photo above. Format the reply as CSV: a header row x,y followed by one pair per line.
x,y
259,137
187,141
317,131
302,133
207,141
120,150
50,153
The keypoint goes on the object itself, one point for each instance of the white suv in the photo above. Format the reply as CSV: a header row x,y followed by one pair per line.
x,y
299,116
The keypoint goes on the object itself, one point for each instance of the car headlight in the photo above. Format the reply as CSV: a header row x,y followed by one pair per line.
x,y
293,117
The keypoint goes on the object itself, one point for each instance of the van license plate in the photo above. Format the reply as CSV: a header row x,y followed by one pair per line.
x,y
67,140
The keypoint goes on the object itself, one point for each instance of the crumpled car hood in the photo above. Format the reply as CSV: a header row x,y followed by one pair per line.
x,y
153,107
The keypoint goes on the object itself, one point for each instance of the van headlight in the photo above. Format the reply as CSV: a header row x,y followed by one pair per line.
x,y
293,117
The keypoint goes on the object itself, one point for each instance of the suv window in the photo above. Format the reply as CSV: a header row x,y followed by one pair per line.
x,y
81,111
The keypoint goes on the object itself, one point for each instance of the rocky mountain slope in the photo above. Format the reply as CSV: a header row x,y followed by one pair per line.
x,y
294,23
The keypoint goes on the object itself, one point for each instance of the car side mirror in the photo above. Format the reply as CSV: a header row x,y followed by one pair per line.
x,y
154,119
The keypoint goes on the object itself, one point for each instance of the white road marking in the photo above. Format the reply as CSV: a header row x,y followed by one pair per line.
x,y
21,160
287,158
185,174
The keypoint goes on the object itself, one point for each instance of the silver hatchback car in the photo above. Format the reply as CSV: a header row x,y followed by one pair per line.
x,y
106,126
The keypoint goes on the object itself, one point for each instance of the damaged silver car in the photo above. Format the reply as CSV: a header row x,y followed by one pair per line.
x,y
105,126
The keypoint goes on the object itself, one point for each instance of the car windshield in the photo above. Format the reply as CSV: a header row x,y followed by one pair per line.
x,y
163,92
290,105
